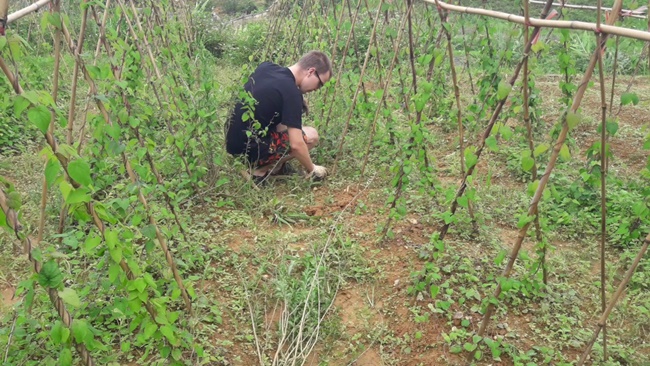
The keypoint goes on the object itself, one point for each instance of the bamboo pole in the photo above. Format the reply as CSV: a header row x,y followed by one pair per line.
x,y
359,83
59,305
26,10
591,27
385,88
624,12
603,187
488,130
342,64
532,210
612,302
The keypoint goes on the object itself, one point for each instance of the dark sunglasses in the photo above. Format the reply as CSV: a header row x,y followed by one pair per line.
x,y
320,82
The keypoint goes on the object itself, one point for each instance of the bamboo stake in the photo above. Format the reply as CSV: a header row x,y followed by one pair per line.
x,y
75,73
55,94
532,210
612,302
342,64
13,80
488,130
459,115
531,144
59,305
603,187
591,27
611,99
356,92
385,88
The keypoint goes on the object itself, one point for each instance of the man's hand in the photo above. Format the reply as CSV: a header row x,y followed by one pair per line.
x,y
319,172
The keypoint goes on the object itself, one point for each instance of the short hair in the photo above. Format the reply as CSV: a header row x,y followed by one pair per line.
x,y
316,59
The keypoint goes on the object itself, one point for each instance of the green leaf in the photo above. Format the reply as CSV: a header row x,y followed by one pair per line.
x,y
505,132
503,90
77,196
40,117
478,355
149,330
70,297
92,242
532,187
20,103
611,127
540,149
56,333
491,143
79,170
52,170
502,255
469,347
527,163
50,276
627,98
65,357
524,219
463,201
81,332
434,290
572,120
168,332
470,158
116,254
565,154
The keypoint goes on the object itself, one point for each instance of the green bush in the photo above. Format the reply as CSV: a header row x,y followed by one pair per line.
x,y
233,7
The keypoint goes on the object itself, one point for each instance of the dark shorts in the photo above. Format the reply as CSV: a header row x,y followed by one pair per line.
x,y
271,149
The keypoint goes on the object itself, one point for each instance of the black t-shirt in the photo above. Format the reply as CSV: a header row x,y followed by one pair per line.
x,y
278,101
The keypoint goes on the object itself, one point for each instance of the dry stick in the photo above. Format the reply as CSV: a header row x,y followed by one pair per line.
x,y
488,130
294,34
385,89
356,53
342,64
14,224
373,34
466,48
158,75
13,80
531,144
591,27
26,10
532,210
55,93
603,188
614,300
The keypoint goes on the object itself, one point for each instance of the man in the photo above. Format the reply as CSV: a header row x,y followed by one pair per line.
x,y
269,130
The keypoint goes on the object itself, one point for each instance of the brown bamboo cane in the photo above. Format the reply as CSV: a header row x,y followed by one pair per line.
x,y
614,71
4,10
591,27
73,101
587,7
373,34
55,94
614,299
26,10
495,115
339,74
466,49
59,305
603,182
356,53
334,49
531,144
13,80
459,113
532,210
385,89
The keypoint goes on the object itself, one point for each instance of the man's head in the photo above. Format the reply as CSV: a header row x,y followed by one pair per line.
x,y
312,71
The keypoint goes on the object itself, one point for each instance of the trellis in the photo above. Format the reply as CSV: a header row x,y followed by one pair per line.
x,y
302,32
601,30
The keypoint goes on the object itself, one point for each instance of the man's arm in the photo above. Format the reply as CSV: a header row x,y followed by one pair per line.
x,y
299,148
